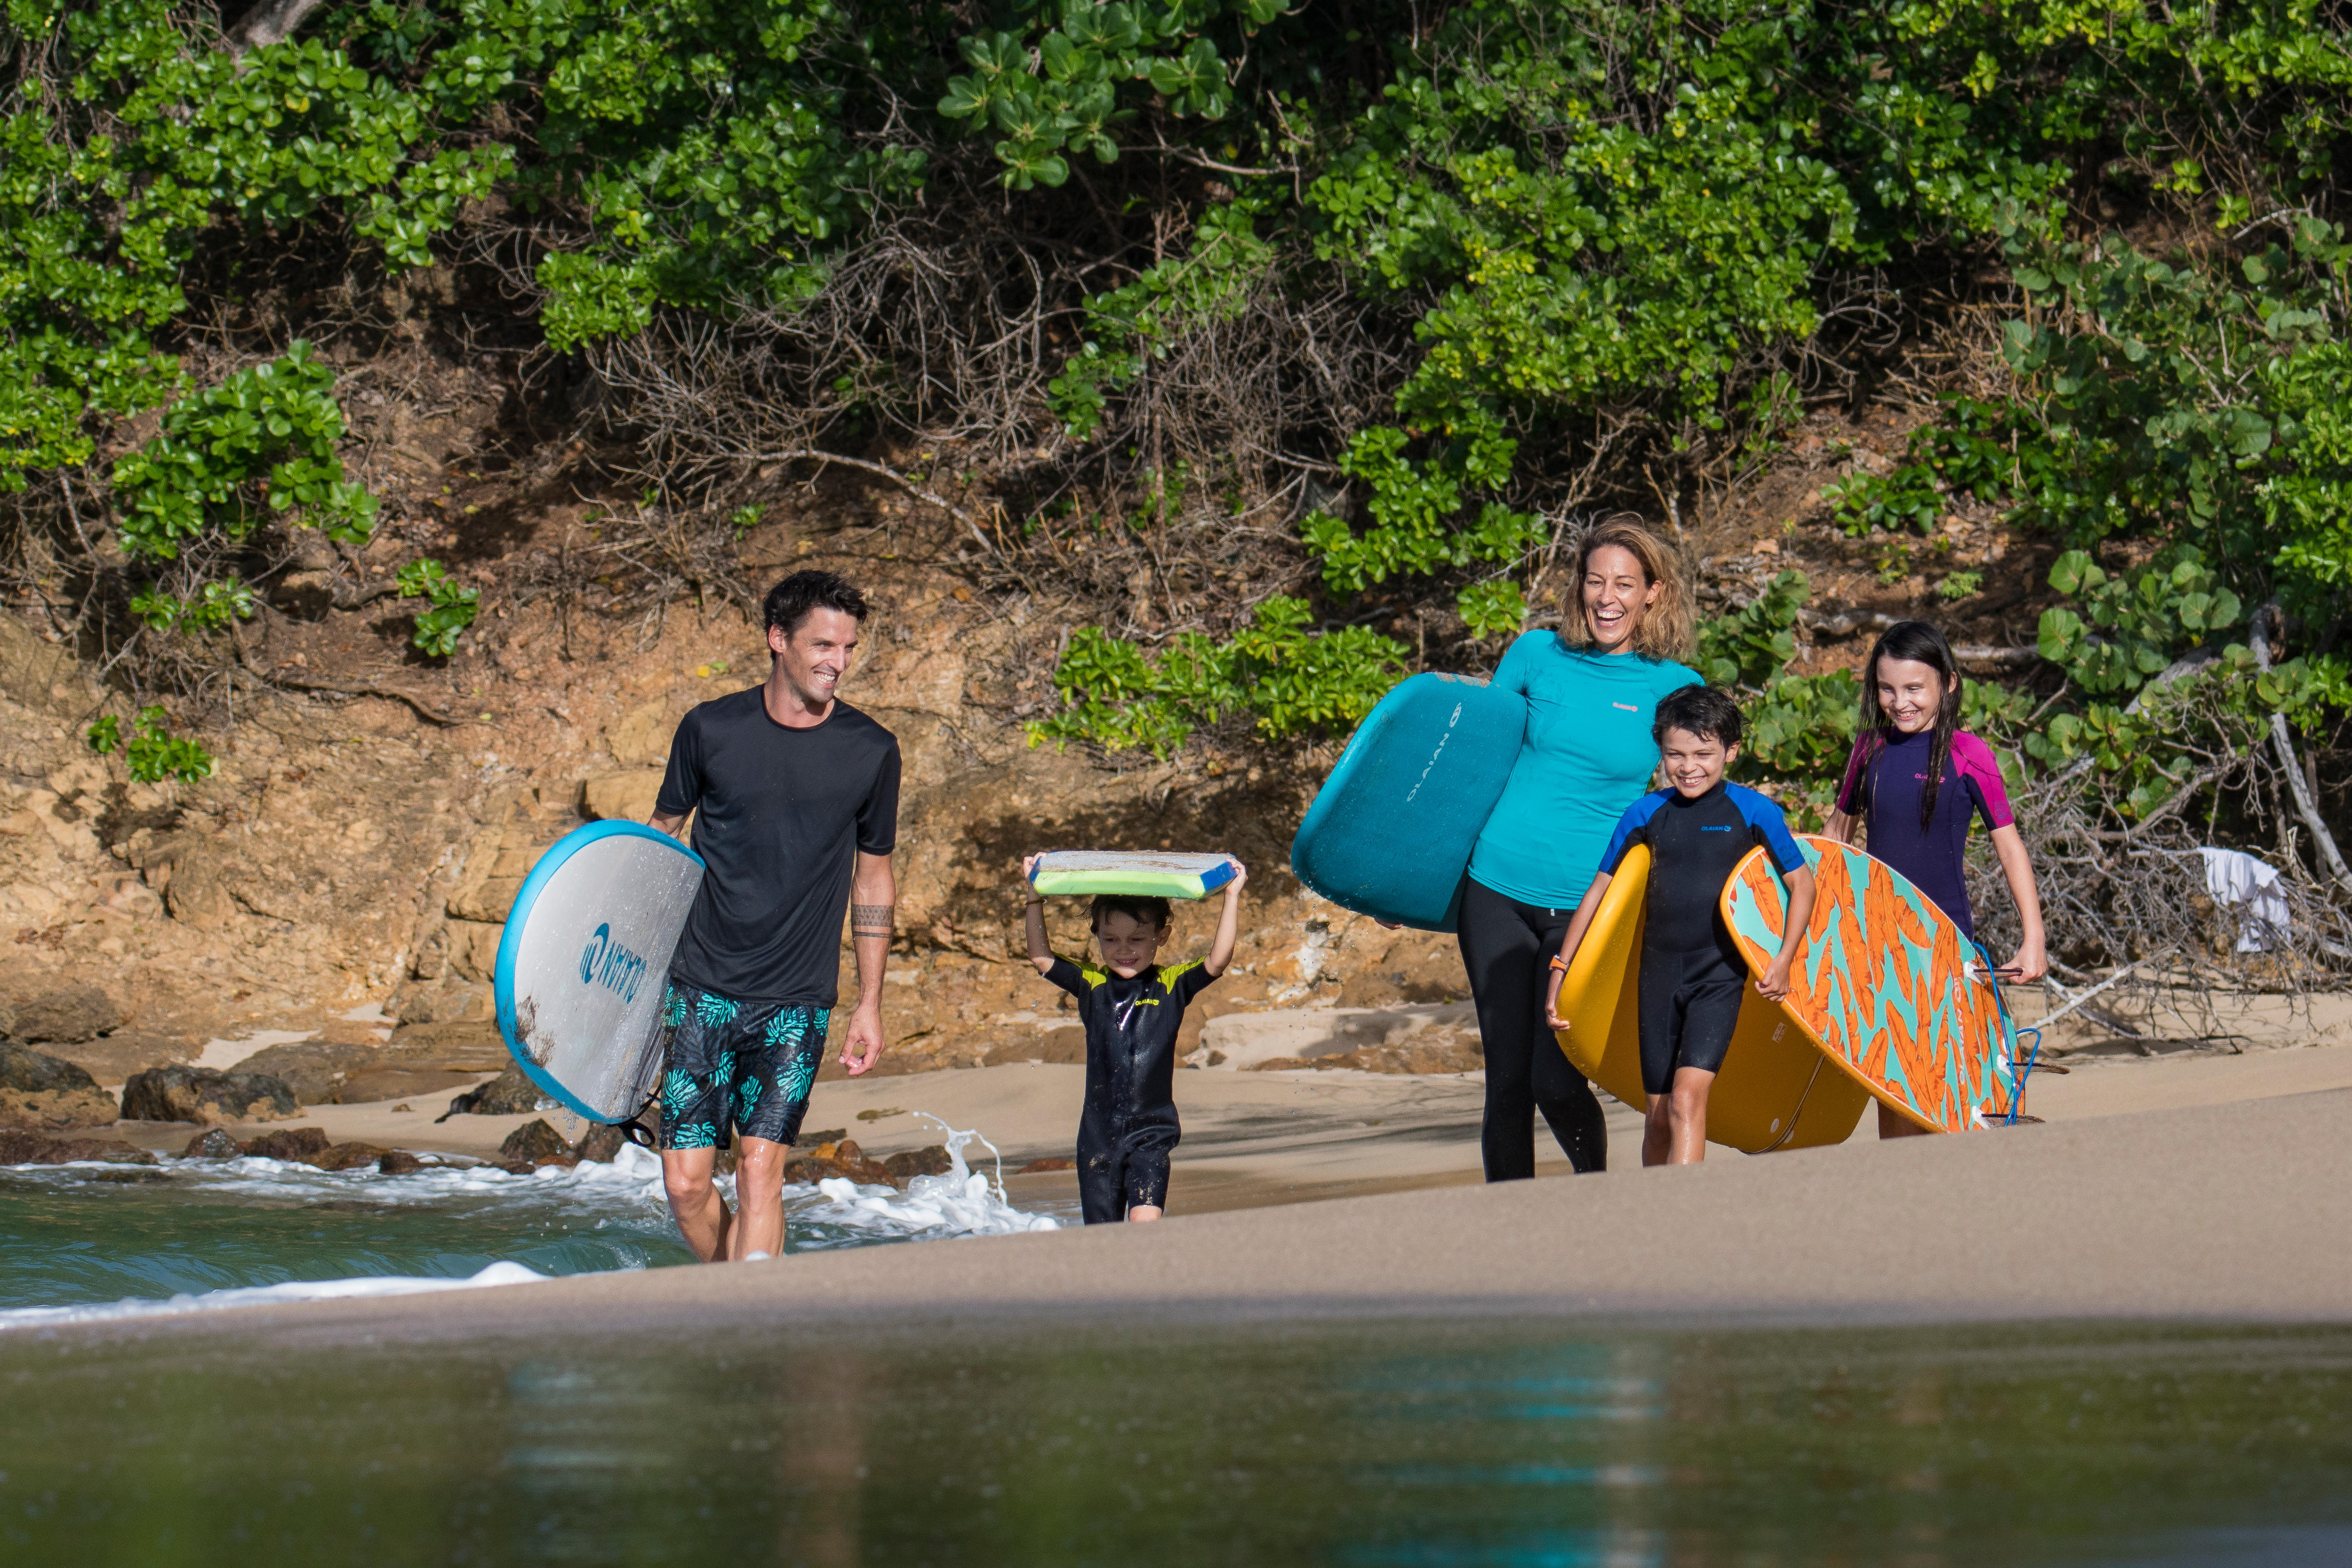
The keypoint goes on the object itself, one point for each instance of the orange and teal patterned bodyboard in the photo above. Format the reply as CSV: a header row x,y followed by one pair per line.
x,y
1886,984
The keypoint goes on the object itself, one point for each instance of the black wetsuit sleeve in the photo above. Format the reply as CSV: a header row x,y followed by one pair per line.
x,y
1188,982
1068,976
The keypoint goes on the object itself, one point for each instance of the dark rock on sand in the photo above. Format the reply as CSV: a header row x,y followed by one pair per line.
x,y
18,1148
200,1094
1052,1162
830,1135
212,1144
539,1143
844,1158
931,1162
67,1014
398,1163
347,1156
509,1094
112,1059
302,1144
42,1091
322,1072
602,1144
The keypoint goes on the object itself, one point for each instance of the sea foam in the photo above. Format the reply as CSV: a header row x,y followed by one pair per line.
x,y
831,1214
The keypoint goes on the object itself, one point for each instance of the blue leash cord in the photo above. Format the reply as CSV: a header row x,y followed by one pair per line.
x,y
2017,1099
2017,1091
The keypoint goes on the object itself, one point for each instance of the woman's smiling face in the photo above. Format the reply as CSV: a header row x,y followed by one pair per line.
x,y
1616,592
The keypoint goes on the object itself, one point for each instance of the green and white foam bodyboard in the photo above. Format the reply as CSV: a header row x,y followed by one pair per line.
x,y
1088,871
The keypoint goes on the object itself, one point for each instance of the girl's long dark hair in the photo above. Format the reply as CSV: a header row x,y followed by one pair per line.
x,y
1919,641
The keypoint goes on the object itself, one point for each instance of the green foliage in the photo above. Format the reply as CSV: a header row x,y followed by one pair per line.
x,y
1801,728
1749,646
2130,629
1211,281
1077,72
1415,508
1495,608
262,441
451,607
1595,237
153,753
2186,404
1976,448
1292,681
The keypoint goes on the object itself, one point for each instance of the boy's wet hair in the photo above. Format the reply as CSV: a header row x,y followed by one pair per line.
x,y
1157,913
1706,711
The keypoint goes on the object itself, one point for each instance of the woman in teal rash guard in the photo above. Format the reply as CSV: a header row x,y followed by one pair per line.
x,y
1590,690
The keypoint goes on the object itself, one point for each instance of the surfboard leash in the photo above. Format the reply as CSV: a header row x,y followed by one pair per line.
x,y
2008,1028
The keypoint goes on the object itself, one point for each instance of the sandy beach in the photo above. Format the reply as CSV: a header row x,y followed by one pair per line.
x,y
1255,1139
2190,1186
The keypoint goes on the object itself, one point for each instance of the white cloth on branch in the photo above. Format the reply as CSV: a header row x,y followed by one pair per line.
x,y
2235,877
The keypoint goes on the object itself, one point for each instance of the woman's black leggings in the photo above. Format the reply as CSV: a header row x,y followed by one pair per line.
x,y
1507,946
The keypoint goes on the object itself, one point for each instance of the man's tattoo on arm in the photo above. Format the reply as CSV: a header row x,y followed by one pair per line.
x,y
870,919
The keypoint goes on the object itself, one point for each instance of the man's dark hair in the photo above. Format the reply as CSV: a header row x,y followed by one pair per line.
x,y
789,601
1706,711
1155,912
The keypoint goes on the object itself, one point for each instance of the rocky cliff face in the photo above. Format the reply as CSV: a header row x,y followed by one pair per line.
x,y
346,872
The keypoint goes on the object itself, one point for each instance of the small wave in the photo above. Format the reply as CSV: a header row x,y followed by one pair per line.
x,y
263,1296
501,1211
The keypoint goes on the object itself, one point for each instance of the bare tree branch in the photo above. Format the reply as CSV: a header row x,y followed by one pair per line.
x,y
2290,764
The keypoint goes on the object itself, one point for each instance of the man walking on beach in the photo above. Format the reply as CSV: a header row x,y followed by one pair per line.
x,y
796,802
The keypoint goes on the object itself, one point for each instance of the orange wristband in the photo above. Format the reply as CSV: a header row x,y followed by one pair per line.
x,y
1559,964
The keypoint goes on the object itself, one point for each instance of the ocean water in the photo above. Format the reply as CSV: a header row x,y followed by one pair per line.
x,y
1400,1444
88,1241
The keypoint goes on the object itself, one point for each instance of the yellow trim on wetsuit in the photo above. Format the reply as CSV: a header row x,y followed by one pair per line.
x,y
1171,972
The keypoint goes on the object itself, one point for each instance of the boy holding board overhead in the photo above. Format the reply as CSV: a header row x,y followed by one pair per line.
x,y
1692,974
1132,1010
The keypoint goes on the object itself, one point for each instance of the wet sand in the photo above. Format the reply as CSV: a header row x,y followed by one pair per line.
x,y
2231,1208
1257,1139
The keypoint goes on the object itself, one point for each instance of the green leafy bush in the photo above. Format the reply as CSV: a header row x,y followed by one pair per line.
x,y
1493,609
451,607
1294,680
2130,629
153,753
1751,645
262,441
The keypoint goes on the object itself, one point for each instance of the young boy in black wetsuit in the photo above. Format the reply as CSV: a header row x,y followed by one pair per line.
x,y
1132,1010
1692,974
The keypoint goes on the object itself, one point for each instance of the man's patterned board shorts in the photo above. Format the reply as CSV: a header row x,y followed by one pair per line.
x,y
736,1068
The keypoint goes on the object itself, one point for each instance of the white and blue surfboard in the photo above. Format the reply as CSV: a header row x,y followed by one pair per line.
x,y
584,961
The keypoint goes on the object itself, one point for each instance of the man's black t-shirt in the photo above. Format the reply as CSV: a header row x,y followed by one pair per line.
x,y
779,813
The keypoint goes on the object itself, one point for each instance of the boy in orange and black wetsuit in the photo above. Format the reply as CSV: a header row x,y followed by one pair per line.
x,y
1132,1011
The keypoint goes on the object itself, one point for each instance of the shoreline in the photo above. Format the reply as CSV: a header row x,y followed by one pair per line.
x,y
2204,1213
1265,1139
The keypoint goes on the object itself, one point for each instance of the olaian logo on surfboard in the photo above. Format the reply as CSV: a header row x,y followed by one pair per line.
x,y
1441,741
607,962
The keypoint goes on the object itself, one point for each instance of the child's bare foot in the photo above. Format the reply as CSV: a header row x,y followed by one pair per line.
x,y
1143,1214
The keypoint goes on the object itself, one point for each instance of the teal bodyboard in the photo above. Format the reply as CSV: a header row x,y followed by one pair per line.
x,y
1391,832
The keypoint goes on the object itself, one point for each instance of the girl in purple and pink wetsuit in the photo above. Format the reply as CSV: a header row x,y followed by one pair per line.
x,y
1916,779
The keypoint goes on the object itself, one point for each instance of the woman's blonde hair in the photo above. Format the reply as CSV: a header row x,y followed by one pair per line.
x,y
1664,629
